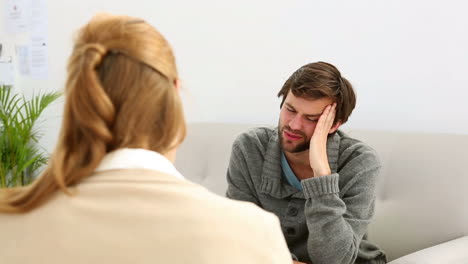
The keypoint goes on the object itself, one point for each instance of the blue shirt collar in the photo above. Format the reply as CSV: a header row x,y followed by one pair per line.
x,y
289,174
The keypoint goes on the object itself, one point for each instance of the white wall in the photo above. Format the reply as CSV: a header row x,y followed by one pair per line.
x,y
408,60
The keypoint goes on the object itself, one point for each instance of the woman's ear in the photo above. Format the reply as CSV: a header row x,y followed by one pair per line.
x,y
177,85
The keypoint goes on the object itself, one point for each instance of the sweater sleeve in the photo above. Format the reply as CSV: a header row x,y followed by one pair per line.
x,y
338,219
240,185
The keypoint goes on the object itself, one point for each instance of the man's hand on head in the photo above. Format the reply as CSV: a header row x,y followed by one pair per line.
x,y
318,143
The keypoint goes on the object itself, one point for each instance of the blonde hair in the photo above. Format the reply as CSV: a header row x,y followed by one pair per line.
x,y
120,93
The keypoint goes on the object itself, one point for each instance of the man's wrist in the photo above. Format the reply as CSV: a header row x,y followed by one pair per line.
x,y
322,172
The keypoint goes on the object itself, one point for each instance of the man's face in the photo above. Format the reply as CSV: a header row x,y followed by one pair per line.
x,y
298,118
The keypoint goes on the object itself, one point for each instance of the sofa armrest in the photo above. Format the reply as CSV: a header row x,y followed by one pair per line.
x,y
451,252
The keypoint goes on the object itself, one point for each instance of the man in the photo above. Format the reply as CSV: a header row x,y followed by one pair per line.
x,y
319,181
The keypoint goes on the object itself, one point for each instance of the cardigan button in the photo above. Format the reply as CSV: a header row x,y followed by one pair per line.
x,y
293,211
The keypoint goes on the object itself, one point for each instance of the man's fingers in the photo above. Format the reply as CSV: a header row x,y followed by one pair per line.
x,y
331,116
328,117
322,123
325,122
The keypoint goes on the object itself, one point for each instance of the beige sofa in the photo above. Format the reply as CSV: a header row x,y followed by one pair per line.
x,y
421,212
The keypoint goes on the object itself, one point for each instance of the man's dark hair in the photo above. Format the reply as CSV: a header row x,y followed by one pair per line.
x,y
322,80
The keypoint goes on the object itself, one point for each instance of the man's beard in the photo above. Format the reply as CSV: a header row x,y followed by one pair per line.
x,y
299,148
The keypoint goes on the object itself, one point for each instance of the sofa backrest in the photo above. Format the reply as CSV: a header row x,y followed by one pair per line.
x,y
422,193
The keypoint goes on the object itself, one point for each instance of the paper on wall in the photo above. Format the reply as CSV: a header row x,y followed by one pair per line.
x,y
17,16
23,60
38,57
39,17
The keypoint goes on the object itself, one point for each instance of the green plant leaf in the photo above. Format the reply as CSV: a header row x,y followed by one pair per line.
x,y
20,154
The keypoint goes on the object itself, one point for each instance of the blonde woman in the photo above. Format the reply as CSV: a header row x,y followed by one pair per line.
x,y
110,193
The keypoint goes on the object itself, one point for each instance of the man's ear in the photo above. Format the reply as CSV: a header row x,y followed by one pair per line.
x,y
335,127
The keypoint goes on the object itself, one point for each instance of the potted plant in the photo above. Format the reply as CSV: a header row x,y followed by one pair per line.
x,y
20,154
